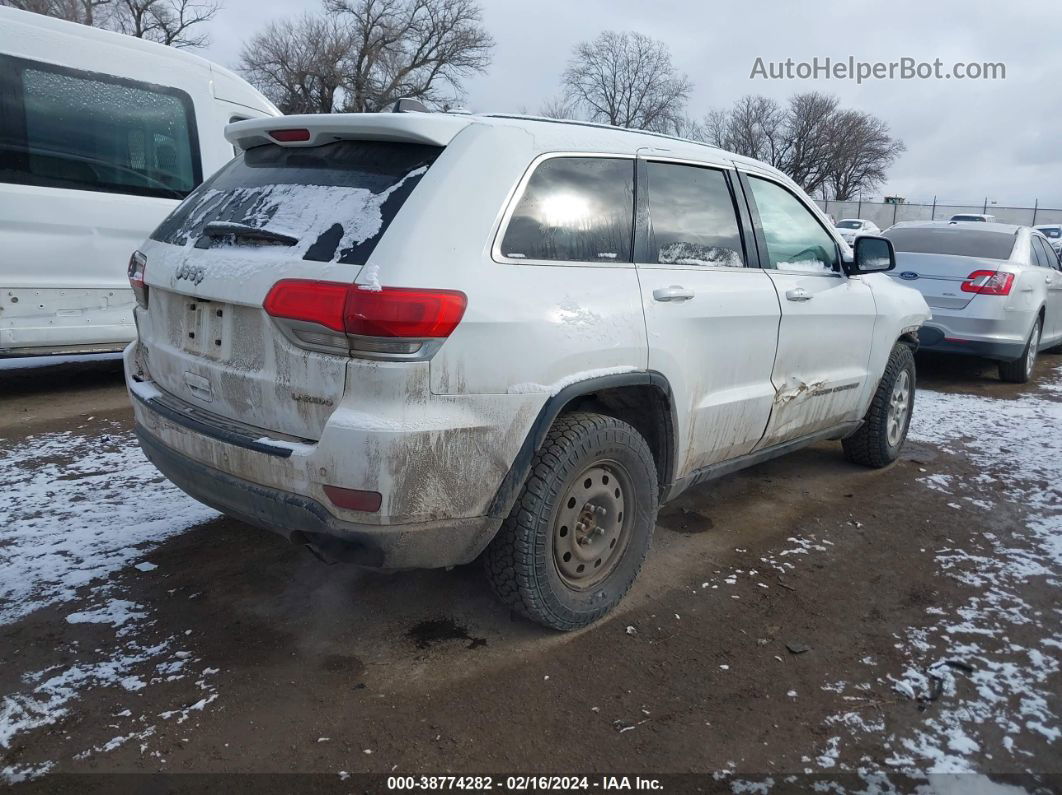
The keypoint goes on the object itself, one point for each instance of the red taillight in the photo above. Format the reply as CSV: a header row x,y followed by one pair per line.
x,y
988,283
137,269
313,302
403,312
388,313
354,499
289,136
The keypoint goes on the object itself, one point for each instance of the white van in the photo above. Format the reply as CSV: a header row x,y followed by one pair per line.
x,y
101,135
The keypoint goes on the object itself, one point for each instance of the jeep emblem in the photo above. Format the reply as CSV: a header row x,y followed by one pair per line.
x,y
193,273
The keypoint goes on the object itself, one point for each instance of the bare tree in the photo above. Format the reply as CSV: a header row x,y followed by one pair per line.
x,y
863,153
627,80
86,12
822,147
300,64
164,21
410,48
557,108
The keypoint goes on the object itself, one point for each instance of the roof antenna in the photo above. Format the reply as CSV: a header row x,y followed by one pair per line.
x,y
407,105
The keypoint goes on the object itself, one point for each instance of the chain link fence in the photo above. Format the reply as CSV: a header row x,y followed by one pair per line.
x,y
886,214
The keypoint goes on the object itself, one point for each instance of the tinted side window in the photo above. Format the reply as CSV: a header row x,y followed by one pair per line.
x,y
574,209
795,239
692,215
1038,257
1044,255
64,128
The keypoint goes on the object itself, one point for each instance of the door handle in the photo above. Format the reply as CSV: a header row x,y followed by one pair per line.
x,y
798,294
675,292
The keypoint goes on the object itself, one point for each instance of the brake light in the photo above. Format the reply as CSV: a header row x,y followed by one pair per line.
x,y
309,301
290,136
988,283
137,270
403,312
391,320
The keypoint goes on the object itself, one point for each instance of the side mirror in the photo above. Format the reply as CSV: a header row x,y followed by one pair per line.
x,y
873,254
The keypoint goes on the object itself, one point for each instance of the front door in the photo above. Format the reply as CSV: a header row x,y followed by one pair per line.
x,y
827,324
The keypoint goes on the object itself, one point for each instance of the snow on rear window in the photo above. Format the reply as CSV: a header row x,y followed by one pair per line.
x,y
335,201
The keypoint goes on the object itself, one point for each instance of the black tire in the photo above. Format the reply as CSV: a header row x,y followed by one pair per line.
x,y
1020,370
871,445
521,564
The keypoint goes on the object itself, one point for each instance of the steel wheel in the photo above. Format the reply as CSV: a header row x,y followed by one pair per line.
x,y
593,524
899,407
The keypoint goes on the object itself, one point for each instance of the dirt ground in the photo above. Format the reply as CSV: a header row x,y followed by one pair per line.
x,y
805,621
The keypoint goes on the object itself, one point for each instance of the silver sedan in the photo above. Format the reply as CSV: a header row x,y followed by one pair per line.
x,y
995,290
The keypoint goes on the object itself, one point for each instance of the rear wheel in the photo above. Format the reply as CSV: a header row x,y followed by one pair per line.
x,y
579,532
1020,370
879,441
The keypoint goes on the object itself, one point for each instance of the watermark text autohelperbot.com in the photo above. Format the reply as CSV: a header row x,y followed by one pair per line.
x,y
852,69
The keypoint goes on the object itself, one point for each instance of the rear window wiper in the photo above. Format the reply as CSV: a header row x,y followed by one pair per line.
x,y
225,228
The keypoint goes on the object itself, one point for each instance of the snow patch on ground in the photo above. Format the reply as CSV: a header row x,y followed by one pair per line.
x,y
75,509
967,668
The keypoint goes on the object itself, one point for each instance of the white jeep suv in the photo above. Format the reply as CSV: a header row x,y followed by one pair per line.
x,y
413,339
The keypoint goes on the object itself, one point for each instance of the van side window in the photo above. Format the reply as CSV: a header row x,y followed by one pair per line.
x,y
692,217
64,128
795,239
574,209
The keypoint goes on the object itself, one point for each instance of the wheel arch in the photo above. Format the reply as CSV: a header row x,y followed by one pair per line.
x,y
642,399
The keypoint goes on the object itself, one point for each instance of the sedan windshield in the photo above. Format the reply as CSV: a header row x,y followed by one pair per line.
x,y
1052,232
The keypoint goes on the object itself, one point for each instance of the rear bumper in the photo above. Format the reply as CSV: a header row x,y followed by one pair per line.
x,y
939,339
304,520
987,326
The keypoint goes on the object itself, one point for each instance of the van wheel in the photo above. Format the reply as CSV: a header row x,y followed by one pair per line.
x,y
579,532
1020,370
879,441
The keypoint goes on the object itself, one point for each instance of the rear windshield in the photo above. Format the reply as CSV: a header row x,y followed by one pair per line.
x,y
954,240
968,218
1052,232
328,203
849,224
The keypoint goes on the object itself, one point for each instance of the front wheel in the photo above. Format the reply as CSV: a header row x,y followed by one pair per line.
x,y
878,442
576,538
1020,370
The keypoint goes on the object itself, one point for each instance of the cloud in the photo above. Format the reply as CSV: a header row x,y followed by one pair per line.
x,y
965,139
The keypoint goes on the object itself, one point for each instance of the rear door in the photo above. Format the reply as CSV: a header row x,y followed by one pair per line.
x,y
827,324
273,213
711,314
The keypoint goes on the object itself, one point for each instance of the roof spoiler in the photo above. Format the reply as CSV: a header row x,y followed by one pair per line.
x,y
436,129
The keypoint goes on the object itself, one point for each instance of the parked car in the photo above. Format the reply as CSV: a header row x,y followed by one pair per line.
x,y
101,135
1053,233
409,339
973,217
851,228
995,290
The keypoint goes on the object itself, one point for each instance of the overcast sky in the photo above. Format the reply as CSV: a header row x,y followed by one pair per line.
x,y
966,139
